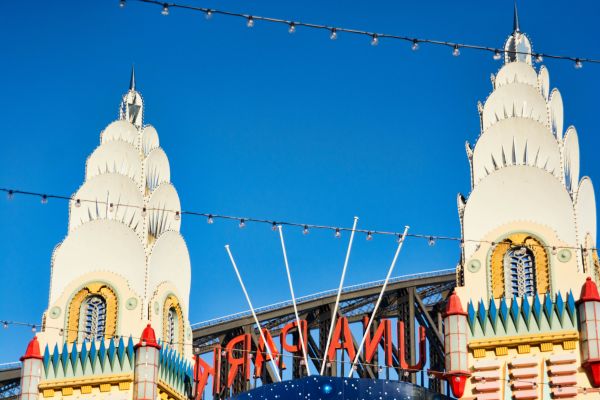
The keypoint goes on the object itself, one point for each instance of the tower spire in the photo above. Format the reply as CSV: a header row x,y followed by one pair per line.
x,y
516,19
132,79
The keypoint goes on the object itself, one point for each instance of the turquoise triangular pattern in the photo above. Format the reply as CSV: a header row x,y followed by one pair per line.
x,y
514,311
55,358
121,352
64,357
559,305
93,355
571,307
548,308
503,312
74,355
83,356
46,359
112,351
493,314
102,354
471,315
130,351
526,311
481,315
537,310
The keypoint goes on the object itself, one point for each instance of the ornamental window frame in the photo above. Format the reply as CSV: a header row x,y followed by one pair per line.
x,y
75,330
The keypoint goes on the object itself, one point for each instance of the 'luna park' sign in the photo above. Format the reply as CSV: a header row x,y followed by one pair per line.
x,y
239,352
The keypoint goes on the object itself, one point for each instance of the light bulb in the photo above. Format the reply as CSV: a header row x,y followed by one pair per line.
x,y
209,14
415,45
250,22
431,376
431,241
338,234
274,227
406,374
333,34
355,367
165,9
44,199
578,64
177,215
111,207
456,51
539,58
292,28
77,203
122,3
5,325
210,219
399,238
10,194
375,40
61,332
554,250
369,236
143,211
497,55
305,230
242,223
380,368
33,328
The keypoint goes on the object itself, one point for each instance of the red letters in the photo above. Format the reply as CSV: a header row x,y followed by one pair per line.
x,y
202,370
384,331
341,341
262,354
241,361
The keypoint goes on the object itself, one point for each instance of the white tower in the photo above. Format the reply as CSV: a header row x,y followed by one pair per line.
x,y
122,265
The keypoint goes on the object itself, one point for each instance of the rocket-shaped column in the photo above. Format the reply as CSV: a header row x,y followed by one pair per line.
x,y
145,376
31,372
455,344
589,330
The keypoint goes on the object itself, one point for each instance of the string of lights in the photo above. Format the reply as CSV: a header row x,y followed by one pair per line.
x,y
306,227
317,360
374,37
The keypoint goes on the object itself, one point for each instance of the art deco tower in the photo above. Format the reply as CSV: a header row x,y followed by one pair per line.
x,y
122,274
529,227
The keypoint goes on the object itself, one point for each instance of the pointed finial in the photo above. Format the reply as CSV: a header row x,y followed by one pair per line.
x,y
132,80
516,19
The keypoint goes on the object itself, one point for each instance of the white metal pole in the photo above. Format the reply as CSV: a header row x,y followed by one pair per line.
x,y
262,335
287,269
387,278
337,299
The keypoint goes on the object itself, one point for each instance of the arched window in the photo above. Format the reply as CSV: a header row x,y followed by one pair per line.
x,y
93,318
172,327
519,267
519,270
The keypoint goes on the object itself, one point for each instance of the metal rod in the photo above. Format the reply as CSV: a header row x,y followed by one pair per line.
x,y
337,299
387,278
287,269
262,335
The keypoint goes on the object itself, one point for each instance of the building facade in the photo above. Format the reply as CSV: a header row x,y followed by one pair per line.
x,y
117,324
521,323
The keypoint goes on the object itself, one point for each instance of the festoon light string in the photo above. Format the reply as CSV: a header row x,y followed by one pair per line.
x,y
432,374
306,227
374,37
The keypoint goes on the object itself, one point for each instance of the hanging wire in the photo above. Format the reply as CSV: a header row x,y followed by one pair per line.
x,y
374,36
304,227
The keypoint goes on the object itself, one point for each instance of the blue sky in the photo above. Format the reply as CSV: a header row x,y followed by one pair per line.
x,y
258,122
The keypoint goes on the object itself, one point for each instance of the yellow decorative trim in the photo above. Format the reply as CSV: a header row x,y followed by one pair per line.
x,y
124,385
105,387
171,302
48,392
523,348
532,339
479,353
67,391
569,345
167,392
540,256
501,350
546,346
88,381
86,389
74,310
